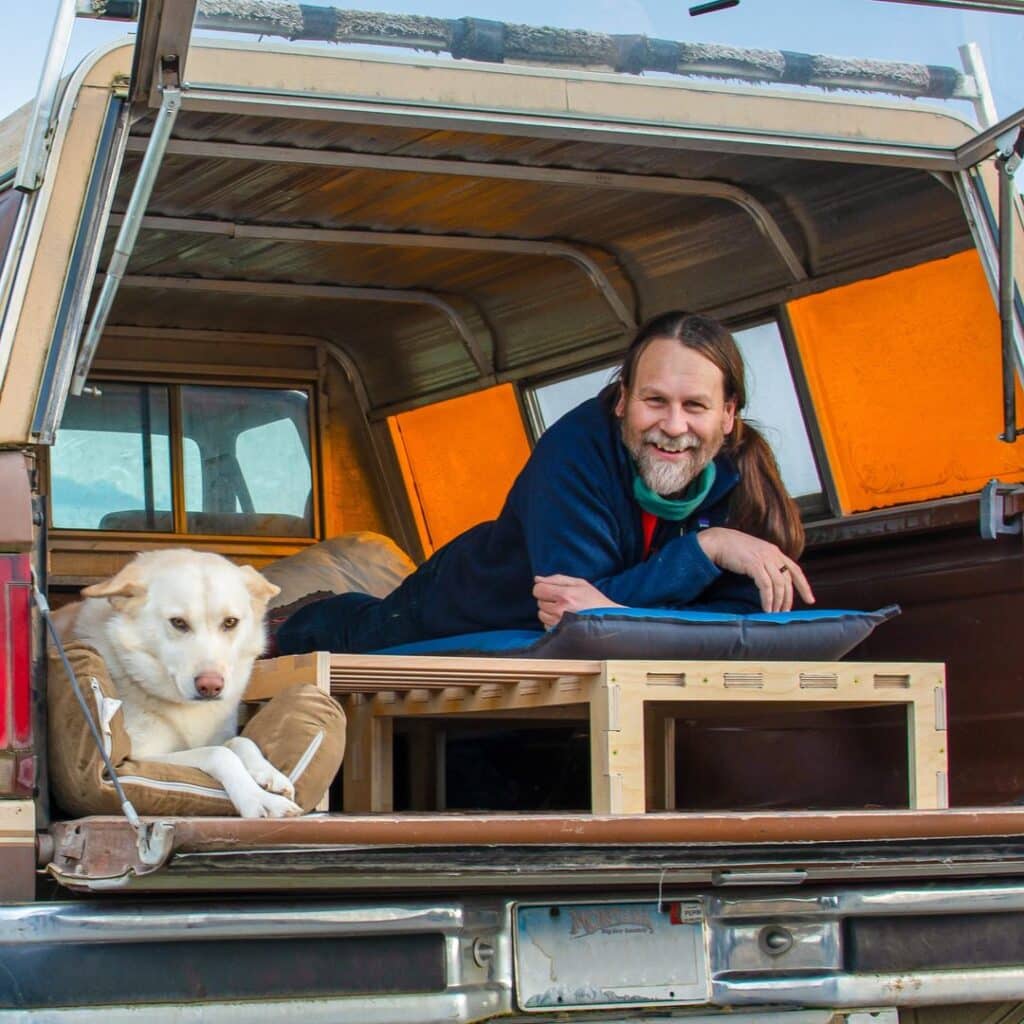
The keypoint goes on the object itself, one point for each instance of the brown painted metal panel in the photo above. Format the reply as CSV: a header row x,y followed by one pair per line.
x,y
17,850
962,599
15,502
18,872
195,834
780,760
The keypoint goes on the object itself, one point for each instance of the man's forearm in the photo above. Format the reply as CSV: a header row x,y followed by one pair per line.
x,y
677,575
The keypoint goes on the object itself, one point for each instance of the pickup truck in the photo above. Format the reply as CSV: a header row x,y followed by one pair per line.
x,y
256,294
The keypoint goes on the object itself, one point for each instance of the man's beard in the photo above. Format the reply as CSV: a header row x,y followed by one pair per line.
x,y
667,477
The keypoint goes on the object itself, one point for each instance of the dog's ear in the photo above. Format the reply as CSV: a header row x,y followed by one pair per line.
x,y
126,583
259,586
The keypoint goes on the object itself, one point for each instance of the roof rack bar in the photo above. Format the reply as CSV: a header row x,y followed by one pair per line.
x,y
996,6
662,185
495,42
984,103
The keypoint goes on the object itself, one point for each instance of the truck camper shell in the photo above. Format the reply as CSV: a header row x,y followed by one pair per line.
x,y
395,255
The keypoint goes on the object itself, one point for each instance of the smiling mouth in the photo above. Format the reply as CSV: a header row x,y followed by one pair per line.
x,y
670,452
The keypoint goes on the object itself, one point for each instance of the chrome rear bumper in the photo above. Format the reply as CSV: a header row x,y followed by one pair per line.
x,y
815,951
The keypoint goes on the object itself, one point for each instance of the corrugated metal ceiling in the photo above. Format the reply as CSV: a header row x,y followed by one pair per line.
x,y
658,251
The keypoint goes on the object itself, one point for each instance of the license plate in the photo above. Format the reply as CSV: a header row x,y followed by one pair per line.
x,y
574,955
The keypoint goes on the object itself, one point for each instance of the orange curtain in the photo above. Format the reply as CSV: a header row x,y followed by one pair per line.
x,y
459,459
904,374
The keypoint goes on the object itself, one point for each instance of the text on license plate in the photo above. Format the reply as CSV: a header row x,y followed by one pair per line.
x,y
610,954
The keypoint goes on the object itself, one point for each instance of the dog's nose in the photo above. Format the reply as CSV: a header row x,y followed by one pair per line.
x,y
209,684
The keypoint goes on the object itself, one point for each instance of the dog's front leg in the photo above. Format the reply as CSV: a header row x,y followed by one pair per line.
x,y
265,774
227,768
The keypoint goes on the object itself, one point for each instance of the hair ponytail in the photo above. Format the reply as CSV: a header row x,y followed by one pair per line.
x,y
760,504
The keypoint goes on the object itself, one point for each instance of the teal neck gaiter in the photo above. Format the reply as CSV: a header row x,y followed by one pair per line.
x,y
675,509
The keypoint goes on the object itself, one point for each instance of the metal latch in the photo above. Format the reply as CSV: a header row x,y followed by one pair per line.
x,y
1001,508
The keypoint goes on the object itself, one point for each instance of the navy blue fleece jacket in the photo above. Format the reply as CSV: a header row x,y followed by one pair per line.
x,y
571,511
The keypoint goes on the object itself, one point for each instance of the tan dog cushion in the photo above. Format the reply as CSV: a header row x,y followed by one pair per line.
x,y
301,732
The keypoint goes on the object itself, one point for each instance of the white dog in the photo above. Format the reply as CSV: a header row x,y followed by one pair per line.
x,y
179,631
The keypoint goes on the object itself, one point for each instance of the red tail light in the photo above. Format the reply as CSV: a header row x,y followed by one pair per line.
x,y
17,764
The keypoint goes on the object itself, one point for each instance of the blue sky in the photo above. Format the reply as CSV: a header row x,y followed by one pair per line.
x,y
864,28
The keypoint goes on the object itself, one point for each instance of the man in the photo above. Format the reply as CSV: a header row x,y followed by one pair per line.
x,y
656,494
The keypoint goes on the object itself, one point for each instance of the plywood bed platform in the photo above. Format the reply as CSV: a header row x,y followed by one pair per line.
x,y
631,707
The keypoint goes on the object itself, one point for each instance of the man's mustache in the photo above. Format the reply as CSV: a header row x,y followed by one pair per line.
x,y
681,443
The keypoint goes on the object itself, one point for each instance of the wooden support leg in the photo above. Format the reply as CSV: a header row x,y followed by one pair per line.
x,y
660,758
617,777
665,752
422,738
927,751
368,765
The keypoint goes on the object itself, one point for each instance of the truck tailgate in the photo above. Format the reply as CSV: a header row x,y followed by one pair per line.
x,y
470,851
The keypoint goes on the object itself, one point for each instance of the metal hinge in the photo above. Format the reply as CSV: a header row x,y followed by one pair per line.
x,y
1001,508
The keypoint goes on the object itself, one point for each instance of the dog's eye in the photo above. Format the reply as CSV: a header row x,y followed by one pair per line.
x,y
229,623
180,624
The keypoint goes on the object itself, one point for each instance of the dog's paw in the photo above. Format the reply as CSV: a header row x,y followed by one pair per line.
x,y
269,805
270,779
281,807
263,773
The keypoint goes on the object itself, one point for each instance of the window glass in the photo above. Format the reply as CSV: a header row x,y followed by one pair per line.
x,y
773,407
193,468
247,464
245,460
553,401
287,489
110,468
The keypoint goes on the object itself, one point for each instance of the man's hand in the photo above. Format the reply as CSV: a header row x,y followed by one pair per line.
x,y
557,595
775,574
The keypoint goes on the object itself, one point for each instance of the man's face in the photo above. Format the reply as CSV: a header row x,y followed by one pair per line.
x,y
675,418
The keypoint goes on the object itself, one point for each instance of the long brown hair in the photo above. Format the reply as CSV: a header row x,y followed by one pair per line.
x,y
760,504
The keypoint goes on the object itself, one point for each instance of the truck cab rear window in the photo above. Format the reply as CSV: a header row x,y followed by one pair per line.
x,y
170,458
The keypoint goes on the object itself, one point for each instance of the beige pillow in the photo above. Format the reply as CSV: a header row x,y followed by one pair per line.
x,y
301,731
369,563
